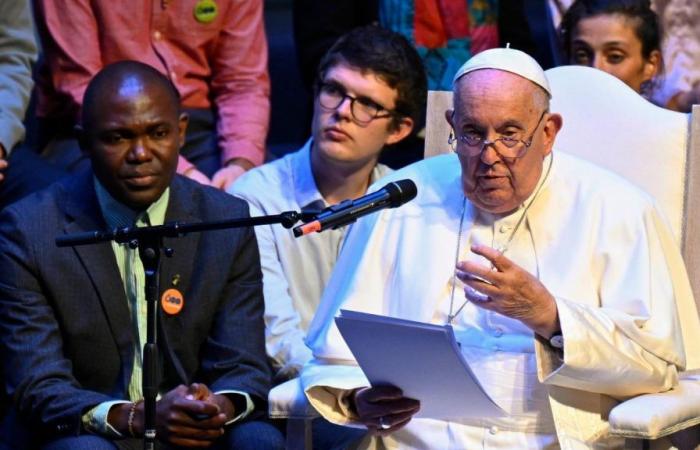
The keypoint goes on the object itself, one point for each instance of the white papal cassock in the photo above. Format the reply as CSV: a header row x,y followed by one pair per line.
x,y
597,243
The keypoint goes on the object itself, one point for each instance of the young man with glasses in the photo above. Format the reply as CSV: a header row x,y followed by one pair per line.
x,y
370,93
560,280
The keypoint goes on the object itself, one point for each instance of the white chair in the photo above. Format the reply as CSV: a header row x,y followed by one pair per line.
x,y
659,150
287,401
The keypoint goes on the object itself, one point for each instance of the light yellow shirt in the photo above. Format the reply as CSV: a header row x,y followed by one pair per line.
x,y
134,279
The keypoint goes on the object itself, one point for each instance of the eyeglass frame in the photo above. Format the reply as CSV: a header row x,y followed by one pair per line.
x,y
482,142
389,112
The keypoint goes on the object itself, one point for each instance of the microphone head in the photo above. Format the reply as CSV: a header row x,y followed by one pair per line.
x,y
400,192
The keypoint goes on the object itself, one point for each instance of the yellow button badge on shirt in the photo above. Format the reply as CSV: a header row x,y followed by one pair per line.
x,y
205,11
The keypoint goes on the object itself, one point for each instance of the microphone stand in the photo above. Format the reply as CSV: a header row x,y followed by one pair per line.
x,y
149,241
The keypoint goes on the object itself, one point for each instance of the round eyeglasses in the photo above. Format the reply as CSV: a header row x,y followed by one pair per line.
x,y
363,109
508,147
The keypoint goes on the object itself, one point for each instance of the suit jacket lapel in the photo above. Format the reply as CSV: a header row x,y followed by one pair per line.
x,y
176,271
83,214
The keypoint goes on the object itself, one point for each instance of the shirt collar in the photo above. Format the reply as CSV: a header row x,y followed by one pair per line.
x,y
117,214
305,190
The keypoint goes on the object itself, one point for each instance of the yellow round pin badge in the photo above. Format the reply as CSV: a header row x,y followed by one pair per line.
x,y
172,301
205,11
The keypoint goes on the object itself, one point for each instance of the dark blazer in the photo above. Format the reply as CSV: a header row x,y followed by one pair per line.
x,y
65,330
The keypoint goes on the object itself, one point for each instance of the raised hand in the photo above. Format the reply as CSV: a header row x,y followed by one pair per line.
x,y
508,289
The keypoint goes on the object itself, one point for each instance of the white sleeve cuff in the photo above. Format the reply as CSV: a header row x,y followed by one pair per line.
x,y
95,420
249,405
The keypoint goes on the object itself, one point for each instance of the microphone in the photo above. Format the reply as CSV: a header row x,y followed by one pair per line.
x,y
390,196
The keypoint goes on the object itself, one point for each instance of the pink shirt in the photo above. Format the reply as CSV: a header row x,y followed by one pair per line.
x,y
220,64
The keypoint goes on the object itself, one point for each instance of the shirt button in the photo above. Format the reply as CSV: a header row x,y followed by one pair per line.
x,y
496,348
504,228
493,429
498,332
157,35
173,75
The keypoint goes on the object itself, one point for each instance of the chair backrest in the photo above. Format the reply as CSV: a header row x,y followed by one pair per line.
x,y
691,221
611,125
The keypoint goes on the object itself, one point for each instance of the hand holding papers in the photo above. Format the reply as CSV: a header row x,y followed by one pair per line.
x,y
422,359
384,409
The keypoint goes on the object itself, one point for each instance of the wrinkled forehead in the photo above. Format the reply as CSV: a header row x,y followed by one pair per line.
x,y
489,87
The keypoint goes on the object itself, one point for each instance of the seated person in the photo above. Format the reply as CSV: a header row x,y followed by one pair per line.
x,y
72,320
214,52
17,53
680,89
370,91
621,37
21,170
562,295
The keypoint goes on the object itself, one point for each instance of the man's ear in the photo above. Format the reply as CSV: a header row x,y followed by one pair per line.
x,y
449,117
552,126
400,131
182,122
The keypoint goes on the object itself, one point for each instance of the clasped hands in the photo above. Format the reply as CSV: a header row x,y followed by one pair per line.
x,y
224,177
187,416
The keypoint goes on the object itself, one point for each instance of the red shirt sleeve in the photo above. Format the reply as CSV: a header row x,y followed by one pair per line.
x,y
240,83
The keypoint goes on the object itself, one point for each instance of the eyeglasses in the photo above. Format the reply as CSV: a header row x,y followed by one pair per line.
x,y
363,109
506,146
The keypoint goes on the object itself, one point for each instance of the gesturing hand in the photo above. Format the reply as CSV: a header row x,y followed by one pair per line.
x,y
383,409
509,290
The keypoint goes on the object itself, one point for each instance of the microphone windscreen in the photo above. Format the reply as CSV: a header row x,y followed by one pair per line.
x,y
401,191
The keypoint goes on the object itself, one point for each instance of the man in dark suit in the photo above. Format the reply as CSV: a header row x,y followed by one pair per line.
x,y
72,320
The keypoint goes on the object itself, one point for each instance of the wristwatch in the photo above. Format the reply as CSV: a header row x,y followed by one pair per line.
x,y
557,340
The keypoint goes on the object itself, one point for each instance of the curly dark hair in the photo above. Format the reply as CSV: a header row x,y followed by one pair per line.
x,y
392,58
647,28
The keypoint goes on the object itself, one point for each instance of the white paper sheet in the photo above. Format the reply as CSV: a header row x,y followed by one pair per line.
x,y
422,359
